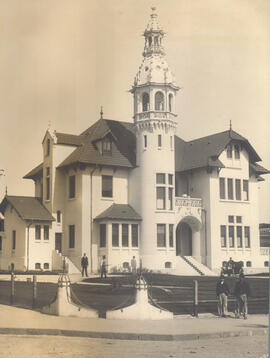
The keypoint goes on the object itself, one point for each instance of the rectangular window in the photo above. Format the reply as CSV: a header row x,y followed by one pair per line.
x,y
239,236
48,146
222,188
1,243
13,239
229,151
102,235
134,235
239,219
71,236
230,189
160,198
170,198
48,189
245,190
145,141
37,232
161,235
231,219
171,142
171,235
47,171
107,186
247,236
170,179
238,189
2,225
231,236
160,178
124,235
115,235
72,184
159,140
236,151
223,238
58,216
46,232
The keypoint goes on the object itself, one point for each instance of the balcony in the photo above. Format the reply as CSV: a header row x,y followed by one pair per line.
x,y
265,251
185,201
157,115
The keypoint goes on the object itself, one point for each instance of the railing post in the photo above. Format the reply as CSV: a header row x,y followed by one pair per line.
x,y
12,288
195,298
34,291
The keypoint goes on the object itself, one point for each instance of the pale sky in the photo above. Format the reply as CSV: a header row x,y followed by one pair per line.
x,y
60,60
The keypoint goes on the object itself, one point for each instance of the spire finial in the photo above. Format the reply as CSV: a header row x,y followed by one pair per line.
x,y
230,125
101,112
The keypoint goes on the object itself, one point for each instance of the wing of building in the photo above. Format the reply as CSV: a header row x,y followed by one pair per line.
x,y
124,189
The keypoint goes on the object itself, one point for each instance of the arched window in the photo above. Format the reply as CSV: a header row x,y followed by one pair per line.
x,y
46,266
145,102
168,264
248,264
170,102
159,101
126,266
266,263
37,266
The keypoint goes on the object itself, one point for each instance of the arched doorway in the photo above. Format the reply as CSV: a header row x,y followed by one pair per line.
x,y
188,238
183,240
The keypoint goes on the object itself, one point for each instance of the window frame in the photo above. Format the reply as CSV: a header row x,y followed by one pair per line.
x,y
71,236
72,186
46,232
13,240
38,232
134,235
102,235
125,235
115,235
161,240
109,192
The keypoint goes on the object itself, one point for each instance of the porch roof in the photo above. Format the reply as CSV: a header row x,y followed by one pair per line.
x,y
119,212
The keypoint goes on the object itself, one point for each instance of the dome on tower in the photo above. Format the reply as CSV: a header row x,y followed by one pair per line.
x,y
154,67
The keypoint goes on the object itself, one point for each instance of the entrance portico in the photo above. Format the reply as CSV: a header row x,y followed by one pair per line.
x,y
188,238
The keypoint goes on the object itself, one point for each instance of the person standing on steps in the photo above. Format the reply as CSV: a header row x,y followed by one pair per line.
x,y
222,291
103,266
84,264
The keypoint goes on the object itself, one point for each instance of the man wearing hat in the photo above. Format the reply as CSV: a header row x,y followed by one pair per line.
x,y
241,292
222,291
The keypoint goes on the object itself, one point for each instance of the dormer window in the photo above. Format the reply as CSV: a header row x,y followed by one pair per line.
x,y
107,146
236,151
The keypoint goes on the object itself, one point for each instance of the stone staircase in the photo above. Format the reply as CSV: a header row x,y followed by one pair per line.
x,y
201,268
58,263
188,266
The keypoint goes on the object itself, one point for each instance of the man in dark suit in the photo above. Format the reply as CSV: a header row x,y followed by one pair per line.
x,y
84,264
241,292
222,291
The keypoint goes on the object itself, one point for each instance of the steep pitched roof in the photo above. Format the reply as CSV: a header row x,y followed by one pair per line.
x,y
37,171
204,152
123,145
119,212
28,208
68,139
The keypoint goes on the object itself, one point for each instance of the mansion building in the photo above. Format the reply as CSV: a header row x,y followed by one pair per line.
x,y
125,189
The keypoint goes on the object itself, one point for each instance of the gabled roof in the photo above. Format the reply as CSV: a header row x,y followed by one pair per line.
x,y
36,172
119,212
204,152
68,139
123,145
28,208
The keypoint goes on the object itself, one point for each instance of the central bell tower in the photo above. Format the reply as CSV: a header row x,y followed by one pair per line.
x,y
154,91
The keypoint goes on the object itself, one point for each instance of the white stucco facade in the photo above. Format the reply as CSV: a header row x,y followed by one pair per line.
x,y
124,190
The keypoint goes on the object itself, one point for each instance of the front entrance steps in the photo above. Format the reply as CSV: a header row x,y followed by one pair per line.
x,y
61,262
189,266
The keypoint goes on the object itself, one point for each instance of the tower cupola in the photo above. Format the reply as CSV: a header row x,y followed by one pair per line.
x,y
154,85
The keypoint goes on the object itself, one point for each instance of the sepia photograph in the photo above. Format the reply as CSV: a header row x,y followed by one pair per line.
x,y
134,178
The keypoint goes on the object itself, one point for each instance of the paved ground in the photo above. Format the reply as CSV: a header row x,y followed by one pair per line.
x,y
74,347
